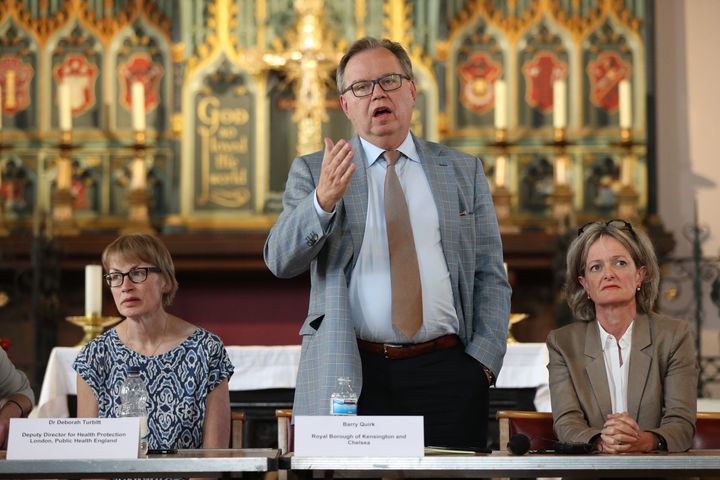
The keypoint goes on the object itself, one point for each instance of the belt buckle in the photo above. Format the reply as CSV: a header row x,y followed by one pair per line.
x,y
386,354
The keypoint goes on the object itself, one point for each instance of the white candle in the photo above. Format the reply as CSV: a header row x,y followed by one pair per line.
x,y
559,104
561,170
625,104
500,167
500,104
138,174
10,89
64,107
93,290
138,106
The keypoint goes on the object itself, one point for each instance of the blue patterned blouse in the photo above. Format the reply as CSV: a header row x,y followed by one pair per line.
x,y
178,382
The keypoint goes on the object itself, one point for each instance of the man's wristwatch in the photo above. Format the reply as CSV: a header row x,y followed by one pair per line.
x,y
489,374
660,443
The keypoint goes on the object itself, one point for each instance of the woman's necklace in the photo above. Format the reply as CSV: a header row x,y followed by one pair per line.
x,y
161,341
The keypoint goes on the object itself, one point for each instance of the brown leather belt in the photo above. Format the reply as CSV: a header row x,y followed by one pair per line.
x,y
395,351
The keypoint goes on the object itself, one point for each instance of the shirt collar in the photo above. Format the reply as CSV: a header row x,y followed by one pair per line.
x,y
372,152
624,342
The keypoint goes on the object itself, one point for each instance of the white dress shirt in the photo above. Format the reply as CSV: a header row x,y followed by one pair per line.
x,y
613,351
369,289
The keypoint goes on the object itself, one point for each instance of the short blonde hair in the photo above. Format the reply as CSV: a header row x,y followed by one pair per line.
x,y
641,250
146,248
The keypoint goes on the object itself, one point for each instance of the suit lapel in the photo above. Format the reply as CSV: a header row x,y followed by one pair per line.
x,y
357,196
639,364
440,175
595,369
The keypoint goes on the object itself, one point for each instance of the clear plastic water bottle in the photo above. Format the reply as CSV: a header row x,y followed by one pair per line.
x,y
343,400
133,403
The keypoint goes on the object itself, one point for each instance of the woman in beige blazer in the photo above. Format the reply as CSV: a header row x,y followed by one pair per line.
x,y
621,377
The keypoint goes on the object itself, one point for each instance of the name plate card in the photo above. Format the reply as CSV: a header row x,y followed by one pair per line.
x,y
73,438
359,436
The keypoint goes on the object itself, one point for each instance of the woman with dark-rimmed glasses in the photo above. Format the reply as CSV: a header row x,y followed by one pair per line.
x,y
621,376
186,368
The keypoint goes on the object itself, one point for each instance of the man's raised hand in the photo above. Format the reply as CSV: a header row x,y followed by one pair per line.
x,y
335,173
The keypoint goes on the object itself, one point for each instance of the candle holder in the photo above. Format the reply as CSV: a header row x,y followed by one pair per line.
x,y
502,198
92,325
501,136
138,196
562,197
63,201
628,197
626,136
562,208
514,318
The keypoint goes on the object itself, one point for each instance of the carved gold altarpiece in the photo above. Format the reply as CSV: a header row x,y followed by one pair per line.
x,y
235,89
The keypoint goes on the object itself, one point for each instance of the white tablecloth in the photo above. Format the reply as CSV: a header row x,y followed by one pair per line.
x,y
263,367
525,366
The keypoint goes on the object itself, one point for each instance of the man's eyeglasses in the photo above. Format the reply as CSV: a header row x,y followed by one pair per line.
x,y
388,83
136,275
616,222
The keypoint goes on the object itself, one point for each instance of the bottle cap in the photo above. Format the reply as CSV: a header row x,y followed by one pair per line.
x,y
133,370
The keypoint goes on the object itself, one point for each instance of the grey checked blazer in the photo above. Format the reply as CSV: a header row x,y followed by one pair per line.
x,y
473,252
662,380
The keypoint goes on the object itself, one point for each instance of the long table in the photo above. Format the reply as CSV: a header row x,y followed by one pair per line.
x,y
275,367
244,462
185,463
503,464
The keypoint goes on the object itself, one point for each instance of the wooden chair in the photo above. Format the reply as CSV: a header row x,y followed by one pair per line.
x,y
537,426
707,431
284,429
237,424
285,436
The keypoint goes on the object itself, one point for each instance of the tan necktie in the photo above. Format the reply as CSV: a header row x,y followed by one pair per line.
x,y
407,314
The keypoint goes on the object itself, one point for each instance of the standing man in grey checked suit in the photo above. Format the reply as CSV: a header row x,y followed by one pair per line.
x,y
334,223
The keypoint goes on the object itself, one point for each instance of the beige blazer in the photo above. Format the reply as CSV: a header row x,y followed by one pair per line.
x,y
662,380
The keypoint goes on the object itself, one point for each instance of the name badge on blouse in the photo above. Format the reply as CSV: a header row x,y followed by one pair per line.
x,y
73,438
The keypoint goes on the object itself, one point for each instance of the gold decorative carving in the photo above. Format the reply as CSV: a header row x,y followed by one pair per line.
x,y
177,53
42,27
624,15
151,11
513,24
221,13
106,26
360,14
397,21
516,22
577,24
308,58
